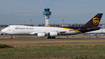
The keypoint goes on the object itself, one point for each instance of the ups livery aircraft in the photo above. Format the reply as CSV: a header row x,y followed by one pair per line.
x,y
52,32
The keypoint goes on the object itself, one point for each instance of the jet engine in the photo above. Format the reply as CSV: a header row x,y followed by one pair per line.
x,y
41,35
52,34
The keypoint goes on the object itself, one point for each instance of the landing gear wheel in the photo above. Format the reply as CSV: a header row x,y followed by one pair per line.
x,y
11,37
49,37
53,37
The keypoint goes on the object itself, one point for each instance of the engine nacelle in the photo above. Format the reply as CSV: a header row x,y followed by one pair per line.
x,y
41,34
53,34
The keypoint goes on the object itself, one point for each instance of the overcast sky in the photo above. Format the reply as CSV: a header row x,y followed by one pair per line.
x,y
71,11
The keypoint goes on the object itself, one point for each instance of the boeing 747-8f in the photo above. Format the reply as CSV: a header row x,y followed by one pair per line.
x,y
52,32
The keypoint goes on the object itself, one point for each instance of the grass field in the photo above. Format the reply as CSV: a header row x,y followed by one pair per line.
x,y
53,49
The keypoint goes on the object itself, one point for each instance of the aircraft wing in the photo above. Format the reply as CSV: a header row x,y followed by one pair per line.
x,y
32,33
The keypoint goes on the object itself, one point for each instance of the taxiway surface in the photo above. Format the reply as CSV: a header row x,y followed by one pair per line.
x,y
57,39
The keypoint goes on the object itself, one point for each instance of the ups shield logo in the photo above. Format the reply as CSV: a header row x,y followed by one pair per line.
x,y
95,21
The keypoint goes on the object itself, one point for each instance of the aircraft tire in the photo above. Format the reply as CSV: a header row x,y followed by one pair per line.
x,y
49,37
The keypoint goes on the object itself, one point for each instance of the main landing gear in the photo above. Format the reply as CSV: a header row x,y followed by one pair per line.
x,y
49,37
11,37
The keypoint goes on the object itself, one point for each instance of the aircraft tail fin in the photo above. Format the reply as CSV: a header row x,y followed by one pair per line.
x,y
94,22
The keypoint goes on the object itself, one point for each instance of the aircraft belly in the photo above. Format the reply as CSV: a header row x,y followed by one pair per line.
x,y
69,33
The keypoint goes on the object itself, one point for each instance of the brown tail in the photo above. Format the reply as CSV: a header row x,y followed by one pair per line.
x,y
94,21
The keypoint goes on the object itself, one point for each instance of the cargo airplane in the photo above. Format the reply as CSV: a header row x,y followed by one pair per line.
x,y
51,31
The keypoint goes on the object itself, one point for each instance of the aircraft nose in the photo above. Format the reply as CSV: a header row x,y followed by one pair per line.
x,y
3,31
